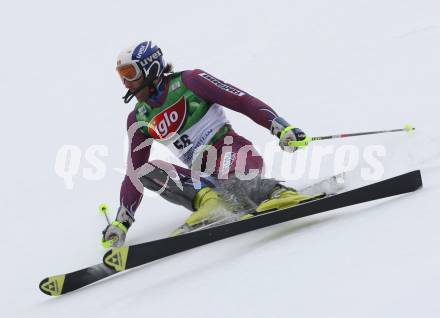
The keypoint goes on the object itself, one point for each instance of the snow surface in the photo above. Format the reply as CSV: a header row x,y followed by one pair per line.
x,y
327,66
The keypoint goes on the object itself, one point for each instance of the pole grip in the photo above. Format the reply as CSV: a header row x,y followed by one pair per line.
x,y
300,143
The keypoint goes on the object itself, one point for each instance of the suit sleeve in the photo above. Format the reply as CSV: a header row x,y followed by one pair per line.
x,y
215,90
131,188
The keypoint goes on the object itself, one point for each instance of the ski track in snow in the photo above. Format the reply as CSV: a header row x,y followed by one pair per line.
x,y
342,66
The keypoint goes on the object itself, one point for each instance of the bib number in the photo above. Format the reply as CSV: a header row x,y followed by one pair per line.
x,y
182,142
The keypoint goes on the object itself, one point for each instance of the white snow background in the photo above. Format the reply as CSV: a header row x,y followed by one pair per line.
x,y
327,66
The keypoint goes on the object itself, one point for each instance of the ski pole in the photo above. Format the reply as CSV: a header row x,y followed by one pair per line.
x,y
305,142
104,209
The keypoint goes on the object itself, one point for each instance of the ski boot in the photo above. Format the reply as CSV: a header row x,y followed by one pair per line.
x,y
208,209
281,198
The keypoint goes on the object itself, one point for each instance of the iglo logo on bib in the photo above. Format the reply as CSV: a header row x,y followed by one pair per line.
x,y
165,124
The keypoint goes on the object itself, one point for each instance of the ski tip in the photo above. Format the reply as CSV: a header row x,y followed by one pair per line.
x,y
52,286
418,179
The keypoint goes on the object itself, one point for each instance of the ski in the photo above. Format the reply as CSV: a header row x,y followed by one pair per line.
x,y
123,258
61,284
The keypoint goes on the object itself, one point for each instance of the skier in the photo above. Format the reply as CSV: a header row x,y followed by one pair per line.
x,y
184,111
